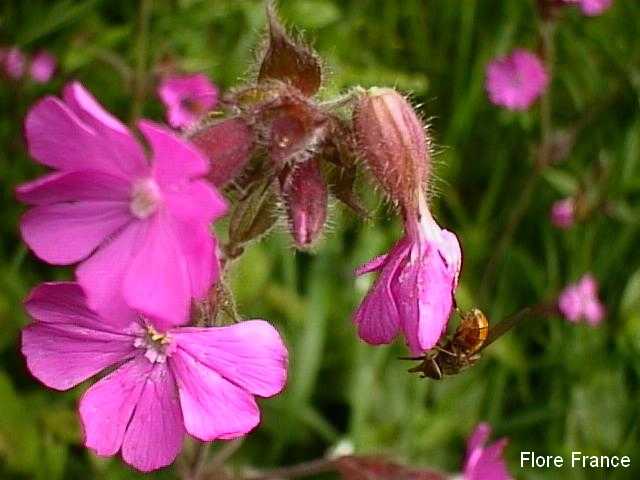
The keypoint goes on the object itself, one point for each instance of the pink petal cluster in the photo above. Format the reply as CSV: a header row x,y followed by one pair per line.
x,y
163,383
14,63
187,98
140,226
579,301
563,213
592,8
414,290
517,80
485,462
43,66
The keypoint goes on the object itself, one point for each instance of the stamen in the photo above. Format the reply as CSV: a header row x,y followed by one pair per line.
x,y
145,198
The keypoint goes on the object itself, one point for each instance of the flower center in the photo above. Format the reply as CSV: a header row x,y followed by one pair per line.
x,y
158,345
145,198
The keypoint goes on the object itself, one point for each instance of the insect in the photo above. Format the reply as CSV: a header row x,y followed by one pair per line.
x,y
457,353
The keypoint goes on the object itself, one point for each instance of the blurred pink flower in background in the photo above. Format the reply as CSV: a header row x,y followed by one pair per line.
x,y
579,301
563,213
43,66
414,290
140,226
517,80
14,63
592,8
484,462
187,98
199,381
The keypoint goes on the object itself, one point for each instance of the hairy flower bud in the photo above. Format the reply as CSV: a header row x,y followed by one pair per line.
x,y
289,61
306,197
391,139
227,145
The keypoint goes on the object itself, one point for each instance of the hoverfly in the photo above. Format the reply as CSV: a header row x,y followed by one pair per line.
x,y
458,353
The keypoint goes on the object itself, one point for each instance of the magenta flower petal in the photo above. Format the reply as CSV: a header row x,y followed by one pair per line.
x,y
106,408
517,80
156,431
377,317
116,140
157,281
42,67
65,233
73,187
212,406
485,462
68,343
174,160
58,138
414,291
105,269
187,98
249,354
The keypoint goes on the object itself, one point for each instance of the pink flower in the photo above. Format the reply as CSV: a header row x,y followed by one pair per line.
x,y
187,98
563,213
579,301
592,8
140,225
517,80
42,67
414,291
164,383
485,462
14,62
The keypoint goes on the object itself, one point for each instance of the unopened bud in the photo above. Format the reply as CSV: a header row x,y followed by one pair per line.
x,y
289,61
306,197
391,139
227,145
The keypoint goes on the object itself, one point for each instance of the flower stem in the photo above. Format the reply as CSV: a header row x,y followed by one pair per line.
x,y
301,470
140,74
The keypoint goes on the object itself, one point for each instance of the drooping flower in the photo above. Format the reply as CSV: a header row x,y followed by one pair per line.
x,y
141,227
164,383
579,301
187,98
42,67
413,293
14,63
591,8
484,462
517,80
563,213
414,290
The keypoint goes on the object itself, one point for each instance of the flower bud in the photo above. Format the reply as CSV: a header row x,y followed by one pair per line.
x,y
563,213
306,197
391,139
227,145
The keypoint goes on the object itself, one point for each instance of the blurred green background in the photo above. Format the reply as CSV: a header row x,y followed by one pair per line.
x,y
550,386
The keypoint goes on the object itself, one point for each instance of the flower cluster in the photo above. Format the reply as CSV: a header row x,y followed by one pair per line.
x,y
14,63
140,226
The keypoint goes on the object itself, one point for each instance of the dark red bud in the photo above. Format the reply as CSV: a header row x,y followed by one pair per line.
x,y
295,132
306,197
391,139
228,146
289,61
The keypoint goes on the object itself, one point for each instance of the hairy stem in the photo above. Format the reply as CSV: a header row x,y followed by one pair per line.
x,y
301,470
